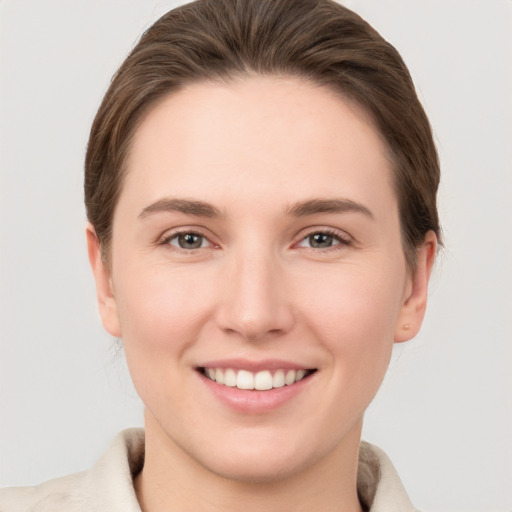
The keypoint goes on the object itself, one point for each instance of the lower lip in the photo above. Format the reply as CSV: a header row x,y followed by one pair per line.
x,y
254,401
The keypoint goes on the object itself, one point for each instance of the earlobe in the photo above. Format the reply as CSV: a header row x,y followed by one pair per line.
x,y
104,291
415,301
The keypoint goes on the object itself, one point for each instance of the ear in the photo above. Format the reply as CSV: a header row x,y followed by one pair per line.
x,y
415,297
107,304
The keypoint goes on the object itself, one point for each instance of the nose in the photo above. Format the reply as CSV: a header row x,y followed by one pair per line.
x,y
254,303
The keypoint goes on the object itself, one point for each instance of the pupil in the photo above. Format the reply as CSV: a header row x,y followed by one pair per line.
x,y
190,241
320,240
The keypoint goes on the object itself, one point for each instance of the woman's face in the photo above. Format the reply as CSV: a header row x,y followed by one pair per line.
x,y
257,241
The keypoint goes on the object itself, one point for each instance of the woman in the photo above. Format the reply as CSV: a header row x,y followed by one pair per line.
x,y
261,192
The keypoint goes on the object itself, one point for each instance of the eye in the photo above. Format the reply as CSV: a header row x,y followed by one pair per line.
x,y
323,240
187,241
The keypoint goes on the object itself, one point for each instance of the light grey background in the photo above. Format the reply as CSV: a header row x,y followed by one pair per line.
x,y
444,414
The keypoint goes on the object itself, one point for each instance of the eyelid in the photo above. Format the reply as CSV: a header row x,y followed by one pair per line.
x,y
169,234
342,237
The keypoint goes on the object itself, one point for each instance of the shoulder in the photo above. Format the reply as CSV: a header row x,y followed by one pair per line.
x,y
107,486
378,483
59,494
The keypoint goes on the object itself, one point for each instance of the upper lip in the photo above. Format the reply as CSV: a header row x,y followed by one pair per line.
x,y
254,366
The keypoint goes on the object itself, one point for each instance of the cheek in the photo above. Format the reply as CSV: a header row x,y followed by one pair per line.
x,y
354,316
161,313
161,308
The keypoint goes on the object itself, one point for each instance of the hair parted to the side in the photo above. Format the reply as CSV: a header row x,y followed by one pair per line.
x,y
317,40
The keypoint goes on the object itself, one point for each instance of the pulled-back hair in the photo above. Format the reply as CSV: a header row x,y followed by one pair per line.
x,y
316,40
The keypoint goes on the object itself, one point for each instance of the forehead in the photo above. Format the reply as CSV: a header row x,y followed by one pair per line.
x,y
238,138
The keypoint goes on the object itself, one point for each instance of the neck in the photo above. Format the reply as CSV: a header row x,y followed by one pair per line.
x,y
173,481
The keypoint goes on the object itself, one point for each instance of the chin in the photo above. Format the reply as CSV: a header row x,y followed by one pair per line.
x,y
259,469
261,457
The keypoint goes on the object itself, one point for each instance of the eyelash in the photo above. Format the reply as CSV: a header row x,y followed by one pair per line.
x,y
166,240
342,241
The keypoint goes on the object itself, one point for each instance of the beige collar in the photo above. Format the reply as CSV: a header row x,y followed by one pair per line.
x,y
109,484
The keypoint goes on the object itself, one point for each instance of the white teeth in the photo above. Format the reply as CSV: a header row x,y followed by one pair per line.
x,y
230,378
219,376
244,380
278,379
261,381
290,377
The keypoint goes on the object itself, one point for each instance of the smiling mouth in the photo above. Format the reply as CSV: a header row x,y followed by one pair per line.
x,y
259,381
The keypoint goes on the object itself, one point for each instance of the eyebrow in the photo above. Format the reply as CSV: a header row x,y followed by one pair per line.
x,y
299,209
186,206
314,206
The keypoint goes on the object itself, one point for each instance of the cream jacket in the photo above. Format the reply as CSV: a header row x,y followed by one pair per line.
x,y
108,486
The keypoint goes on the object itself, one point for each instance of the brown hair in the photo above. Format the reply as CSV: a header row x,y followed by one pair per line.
x,y
318,40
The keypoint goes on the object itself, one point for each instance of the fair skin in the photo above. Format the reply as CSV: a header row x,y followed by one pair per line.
x,y
257,230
